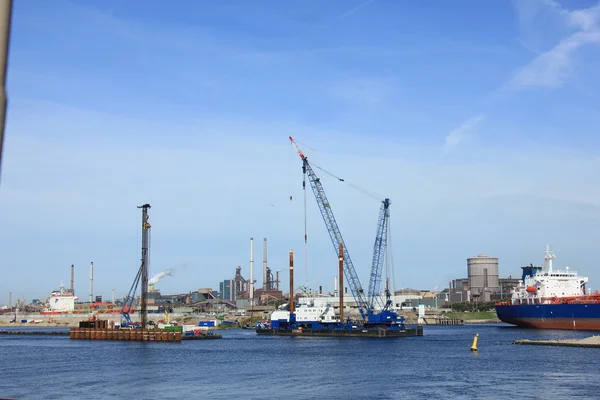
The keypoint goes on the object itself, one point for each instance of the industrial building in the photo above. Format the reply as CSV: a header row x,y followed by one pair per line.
x,y
242,291
482,284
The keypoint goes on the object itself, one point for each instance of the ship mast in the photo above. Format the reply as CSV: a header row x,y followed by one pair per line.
x,y
549,257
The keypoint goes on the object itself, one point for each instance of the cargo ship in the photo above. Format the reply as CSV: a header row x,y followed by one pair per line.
x,y
313,319
63,301
60,301
548,298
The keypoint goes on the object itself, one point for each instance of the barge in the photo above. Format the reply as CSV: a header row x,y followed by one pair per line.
x,y
314,319
342,331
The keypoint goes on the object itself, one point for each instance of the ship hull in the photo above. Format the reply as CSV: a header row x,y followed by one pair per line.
x,y
578,317
368,333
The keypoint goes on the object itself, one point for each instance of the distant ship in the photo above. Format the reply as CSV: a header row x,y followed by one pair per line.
x,y
60,302
547,298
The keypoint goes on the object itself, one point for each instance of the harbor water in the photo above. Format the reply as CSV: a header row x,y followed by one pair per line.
x,y
245,366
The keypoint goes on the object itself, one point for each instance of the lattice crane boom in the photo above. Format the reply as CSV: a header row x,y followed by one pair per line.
x,y
379,250
334,232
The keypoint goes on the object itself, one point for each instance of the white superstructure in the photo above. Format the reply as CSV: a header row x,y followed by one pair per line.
x,y
308,310
60,301
543,285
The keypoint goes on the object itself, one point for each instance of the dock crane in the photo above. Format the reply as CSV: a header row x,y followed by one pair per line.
x,y
141,276
128,303
366,304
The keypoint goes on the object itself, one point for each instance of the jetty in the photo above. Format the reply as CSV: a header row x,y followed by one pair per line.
x,y
443,321
593,341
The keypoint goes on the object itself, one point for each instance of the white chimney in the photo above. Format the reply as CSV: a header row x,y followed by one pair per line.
x,y
91,282
335,282
251,288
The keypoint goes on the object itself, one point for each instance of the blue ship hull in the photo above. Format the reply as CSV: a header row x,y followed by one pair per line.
x,y
584,317
325,332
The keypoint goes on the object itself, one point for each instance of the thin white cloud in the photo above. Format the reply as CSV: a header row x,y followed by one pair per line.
x,y
355,9
551,68
371,91
465,130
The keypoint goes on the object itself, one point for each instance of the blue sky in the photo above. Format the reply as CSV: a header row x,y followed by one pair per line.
x,y
478,119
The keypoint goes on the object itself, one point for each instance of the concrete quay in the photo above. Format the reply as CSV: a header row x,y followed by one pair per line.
x,y
593,341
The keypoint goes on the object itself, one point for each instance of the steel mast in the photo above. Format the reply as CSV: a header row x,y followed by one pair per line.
x,y
144,266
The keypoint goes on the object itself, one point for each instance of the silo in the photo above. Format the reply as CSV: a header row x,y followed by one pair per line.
x,y
483,276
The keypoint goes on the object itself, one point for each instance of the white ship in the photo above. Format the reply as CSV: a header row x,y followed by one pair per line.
x,y
308,310
60,302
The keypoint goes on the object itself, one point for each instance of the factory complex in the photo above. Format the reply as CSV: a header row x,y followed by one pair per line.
x,y
238,295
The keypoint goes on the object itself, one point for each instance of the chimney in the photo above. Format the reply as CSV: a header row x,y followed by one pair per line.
x,y
265,264
335,285
91,282
251,288
72,279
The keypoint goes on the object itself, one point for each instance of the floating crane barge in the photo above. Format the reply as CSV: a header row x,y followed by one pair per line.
x,y
311,319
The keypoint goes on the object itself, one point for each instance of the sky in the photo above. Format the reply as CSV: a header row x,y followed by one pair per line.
x,y
477,119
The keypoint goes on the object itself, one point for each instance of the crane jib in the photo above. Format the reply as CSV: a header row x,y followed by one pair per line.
x,y
336,238
369,303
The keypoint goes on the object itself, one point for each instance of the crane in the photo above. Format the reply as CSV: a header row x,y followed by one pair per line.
x,y
142,275
379,250
366,304
128,303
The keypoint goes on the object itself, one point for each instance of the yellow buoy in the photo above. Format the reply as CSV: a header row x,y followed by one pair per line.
x,y
474,346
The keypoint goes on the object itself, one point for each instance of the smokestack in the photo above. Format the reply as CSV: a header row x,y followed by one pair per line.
x,y
251,289
335,285
113,296
265,264
291,284
320,289
91,282
72,279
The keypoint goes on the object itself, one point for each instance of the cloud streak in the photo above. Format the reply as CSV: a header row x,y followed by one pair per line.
x,y
552,68
463,132
355,9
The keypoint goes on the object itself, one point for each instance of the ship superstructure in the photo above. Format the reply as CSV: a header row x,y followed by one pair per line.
x,y
546,285
551,298
60,302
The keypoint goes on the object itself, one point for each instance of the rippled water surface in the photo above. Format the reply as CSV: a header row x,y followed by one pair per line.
x,y
244,366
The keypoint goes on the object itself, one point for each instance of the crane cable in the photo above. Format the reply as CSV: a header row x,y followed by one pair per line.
x,y
360,189
389,256
149,241
291,171
305,231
